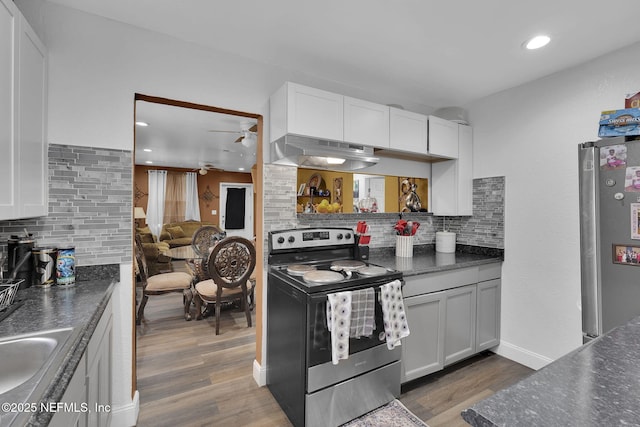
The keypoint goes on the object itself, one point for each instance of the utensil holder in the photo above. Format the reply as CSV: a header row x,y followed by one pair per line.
x,y
404,246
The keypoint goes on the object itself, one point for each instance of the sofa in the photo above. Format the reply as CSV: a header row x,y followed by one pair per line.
x,y
180,233
157,261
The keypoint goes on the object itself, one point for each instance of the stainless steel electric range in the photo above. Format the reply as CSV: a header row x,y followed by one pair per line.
x,y
305,265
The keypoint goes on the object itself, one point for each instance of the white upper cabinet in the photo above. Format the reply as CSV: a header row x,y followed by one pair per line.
x,y
366,123
9,18
301,110
452,180
443,138
32,127
23,89
408,131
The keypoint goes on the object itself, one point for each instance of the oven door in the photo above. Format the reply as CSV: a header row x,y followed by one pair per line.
x,y
319,337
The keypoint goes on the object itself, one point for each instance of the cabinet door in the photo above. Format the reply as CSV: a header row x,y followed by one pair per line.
x,y
488,318
408,131
9,18
99,371
315,112
32,146
443,138
444,193
460,324
452,180
366,123
423,349
74,395
464,170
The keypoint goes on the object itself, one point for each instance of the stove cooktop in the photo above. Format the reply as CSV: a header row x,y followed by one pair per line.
x,y
322,277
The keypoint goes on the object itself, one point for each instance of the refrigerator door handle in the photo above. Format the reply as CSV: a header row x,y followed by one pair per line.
x,y
589,247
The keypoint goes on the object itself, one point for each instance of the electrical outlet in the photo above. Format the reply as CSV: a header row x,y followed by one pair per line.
x,y
214,212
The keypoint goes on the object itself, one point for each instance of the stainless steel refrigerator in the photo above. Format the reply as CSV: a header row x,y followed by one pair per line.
x,y
609,173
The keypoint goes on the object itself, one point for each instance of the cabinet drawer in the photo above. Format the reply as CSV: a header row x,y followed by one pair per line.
x,y
434,282
489,272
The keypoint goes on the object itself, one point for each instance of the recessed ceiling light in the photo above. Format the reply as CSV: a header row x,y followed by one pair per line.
x,y
147,150
240,169
143,124
149,162
537,42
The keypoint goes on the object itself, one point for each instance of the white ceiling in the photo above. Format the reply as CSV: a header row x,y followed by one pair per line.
x,y
435,53
182,138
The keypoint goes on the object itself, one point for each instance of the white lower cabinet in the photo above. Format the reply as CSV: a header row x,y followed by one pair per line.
x,y
98,380
452,316
87,400
74,396
422,350
488,314
460,324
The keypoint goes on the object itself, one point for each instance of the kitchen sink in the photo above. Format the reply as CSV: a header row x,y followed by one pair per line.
x,y
27,357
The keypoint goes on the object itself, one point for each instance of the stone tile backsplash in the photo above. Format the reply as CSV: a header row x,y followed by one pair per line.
x,y
90,204
485,228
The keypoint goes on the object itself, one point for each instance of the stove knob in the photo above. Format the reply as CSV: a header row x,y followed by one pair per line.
x,y
292,239
339,236
281,240
347,236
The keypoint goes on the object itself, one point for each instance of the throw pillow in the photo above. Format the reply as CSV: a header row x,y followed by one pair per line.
x,y
143,230
176,232
146,238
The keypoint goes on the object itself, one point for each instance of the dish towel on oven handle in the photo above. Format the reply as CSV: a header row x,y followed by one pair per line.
x,y
395,319
338,323
363,310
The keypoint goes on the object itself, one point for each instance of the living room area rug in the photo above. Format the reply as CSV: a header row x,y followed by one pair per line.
x,y
393,414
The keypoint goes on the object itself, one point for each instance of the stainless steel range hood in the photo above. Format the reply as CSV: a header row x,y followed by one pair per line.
x,y
307,152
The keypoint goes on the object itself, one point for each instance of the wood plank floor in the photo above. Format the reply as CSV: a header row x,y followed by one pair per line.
x,y
188,376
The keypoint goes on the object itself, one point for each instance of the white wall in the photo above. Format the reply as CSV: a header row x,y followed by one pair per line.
x,y
530,135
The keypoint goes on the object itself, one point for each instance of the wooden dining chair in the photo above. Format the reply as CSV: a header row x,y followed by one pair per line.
x,y
230,266
161,283
206,237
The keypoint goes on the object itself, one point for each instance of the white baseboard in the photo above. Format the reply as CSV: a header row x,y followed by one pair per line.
x,y
521,355
126,415
259,374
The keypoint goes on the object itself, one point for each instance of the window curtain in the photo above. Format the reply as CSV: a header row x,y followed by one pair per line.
x,y
175,198
193,205
155,203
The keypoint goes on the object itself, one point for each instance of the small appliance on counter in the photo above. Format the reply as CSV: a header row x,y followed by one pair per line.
x,y
19,258
44,266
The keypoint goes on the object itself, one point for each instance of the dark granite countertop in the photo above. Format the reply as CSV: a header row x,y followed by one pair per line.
x,y
80,307
426,260
596,385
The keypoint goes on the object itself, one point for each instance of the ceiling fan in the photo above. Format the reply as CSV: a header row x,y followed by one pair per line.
x,y
206,167
247,133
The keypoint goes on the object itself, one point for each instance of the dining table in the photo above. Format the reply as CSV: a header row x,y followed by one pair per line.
x,y
183,253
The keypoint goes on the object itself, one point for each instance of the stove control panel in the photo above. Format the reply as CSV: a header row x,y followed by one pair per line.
x,y
298,238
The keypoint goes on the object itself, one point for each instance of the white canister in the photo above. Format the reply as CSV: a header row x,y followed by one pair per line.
x,y
404,246
445,241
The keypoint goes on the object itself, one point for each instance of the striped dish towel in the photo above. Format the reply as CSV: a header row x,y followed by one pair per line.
x,y
395,319
362,313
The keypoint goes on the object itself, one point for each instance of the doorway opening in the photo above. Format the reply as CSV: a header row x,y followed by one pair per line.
x,y
218,145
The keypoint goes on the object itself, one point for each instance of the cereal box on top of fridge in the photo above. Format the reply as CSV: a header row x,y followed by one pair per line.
x,y
620,122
